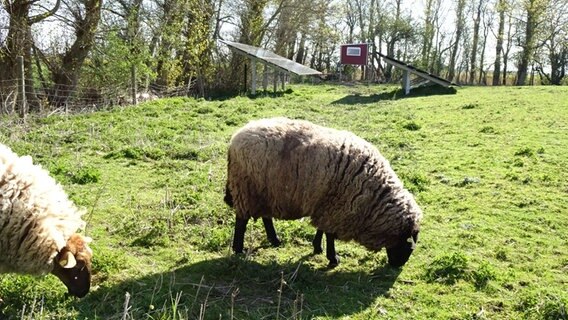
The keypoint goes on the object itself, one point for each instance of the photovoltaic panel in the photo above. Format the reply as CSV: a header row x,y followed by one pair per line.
x,y
271,58
419,72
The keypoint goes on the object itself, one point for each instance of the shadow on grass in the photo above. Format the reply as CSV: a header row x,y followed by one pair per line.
x,y
222,96
395,95
232,286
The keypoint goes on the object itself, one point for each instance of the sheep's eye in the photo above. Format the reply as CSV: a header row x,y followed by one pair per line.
x,y
76,278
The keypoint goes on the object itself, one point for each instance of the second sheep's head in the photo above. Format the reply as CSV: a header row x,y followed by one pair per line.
x,y
399,254
72,265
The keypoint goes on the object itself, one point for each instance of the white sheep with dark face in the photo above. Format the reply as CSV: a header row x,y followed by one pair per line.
x,y
288,169
38,225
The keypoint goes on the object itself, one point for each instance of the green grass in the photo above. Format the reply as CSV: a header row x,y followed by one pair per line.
x,y
487,165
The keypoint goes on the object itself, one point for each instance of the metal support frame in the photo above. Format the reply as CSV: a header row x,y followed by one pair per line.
x,y
253,78
406,81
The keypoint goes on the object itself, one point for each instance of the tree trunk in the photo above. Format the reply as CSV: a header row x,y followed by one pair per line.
x,y
499,47
459,30
508,49
300,56
66,76
482,74
473,58
534,10
428,35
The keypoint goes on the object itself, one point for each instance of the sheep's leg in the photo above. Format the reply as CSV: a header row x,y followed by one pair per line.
x,y
239,239
271,232
330,250
317,242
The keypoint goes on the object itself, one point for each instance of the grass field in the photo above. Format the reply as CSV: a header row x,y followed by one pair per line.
x,y
488,166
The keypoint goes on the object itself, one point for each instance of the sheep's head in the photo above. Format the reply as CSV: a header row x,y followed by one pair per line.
x,y
73,265
399,254
404,246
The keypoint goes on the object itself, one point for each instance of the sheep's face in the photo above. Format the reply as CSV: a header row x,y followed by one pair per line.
x,y
399,254
73,266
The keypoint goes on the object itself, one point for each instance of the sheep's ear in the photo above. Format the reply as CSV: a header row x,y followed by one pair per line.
x,y
87,239
68,260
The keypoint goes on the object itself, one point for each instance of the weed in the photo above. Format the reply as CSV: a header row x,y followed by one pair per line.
x,y
416,182
411,126
470,106
525,152
85,175
447,269
488,130
483,274
468,181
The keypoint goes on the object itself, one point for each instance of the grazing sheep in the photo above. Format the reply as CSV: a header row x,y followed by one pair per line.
x,y
288,169
38,224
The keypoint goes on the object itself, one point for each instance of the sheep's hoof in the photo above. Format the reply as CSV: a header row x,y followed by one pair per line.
x,y
275,242
334,262
318,250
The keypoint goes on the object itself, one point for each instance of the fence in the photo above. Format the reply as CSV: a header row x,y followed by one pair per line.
x,y
23,95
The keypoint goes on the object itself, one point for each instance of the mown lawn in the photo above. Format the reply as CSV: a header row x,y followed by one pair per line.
x,y
487,165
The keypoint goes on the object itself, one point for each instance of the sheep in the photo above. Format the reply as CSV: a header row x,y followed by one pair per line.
x,y
38,224
289,169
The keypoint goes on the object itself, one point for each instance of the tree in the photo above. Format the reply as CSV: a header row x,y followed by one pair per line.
x,y
397,29
476,23
460,26
488,18
431,14
554,43
511,33
501,8
65,74
197,44
534,12
19,42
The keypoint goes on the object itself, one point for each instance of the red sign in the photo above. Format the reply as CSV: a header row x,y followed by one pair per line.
x,y
354,53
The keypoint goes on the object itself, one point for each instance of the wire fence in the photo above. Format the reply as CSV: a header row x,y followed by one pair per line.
x,y
25,95
47,97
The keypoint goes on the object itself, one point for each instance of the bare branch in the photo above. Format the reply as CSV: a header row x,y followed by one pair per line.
x,y
45,15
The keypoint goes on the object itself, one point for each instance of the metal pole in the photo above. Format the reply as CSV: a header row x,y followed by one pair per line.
x,y
134,86
21,88
265,78
245,84
406,82
275,79
253,78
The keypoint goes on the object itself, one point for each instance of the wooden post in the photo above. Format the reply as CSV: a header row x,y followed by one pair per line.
x,y
134,85
253,76
21,88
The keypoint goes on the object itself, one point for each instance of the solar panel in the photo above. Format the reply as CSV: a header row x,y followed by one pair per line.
x,y
272,58
419,72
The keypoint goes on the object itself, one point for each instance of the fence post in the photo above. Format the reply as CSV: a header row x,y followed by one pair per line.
x,y
134,86
21,88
